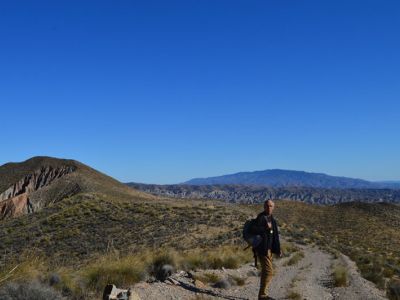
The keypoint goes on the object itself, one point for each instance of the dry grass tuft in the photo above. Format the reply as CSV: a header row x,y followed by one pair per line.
x,y
294,295
340,276
296,257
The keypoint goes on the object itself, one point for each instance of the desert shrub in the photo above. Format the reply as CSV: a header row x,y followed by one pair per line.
x,y
54,279
388,272
288,248
208,278
121,272
223,284
162,265
192,262
373,273
294,296
28,290
227,256
393,289
230,262
340,276
295,259
237,280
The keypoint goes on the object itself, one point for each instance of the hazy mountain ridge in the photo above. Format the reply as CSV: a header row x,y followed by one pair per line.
x,y
257,194
286,178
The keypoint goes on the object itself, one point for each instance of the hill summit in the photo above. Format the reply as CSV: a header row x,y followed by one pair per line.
x,y
31,185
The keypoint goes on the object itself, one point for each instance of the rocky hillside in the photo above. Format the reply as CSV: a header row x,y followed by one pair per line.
x,y
31,185
289,178
69,213
257,194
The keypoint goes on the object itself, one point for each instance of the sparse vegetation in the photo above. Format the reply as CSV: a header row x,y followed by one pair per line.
x,y
32,290
295,258
209,278
224,283
108,233
122,272
340,276
288,248
294,295
368,233
125,270
237,280
393,289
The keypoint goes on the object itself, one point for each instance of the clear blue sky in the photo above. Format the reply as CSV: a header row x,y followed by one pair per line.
x,y
163,91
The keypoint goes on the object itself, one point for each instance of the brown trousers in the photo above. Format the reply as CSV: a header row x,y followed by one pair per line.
x,y
266,273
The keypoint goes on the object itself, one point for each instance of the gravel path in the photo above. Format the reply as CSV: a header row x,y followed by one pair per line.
x,y
310,278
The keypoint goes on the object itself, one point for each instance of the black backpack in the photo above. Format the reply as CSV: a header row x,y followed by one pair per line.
x,y
251,238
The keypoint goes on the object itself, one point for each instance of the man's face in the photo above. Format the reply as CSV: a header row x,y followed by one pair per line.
x,y
268,207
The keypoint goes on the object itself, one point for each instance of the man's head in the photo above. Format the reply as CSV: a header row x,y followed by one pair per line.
x,y
269,207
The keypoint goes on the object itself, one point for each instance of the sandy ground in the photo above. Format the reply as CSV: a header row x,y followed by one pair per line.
x,y
309,279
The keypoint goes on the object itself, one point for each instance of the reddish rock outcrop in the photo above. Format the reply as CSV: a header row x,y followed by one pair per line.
x,y
35,181
15,206
15,200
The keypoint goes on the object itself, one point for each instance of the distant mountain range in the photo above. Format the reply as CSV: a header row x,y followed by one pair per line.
x,y
289,178
257,194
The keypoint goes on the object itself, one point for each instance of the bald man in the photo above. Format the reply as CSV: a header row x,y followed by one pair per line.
x,y
267,228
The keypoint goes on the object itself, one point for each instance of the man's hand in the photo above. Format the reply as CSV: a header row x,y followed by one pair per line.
x,y
280,254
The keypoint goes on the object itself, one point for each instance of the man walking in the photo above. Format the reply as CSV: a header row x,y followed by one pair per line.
x,y
267,228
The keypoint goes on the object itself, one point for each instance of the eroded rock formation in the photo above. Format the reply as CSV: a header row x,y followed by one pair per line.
x,y
15,206
258,194
15,200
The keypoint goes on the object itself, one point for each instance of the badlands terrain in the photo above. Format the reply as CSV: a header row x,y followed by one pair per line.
x,y
67,230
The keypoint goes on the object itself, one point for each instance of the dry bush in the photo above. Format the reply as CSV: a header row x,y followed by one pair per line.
x,y
393,289
208,278
28,290
237,280
122,272
296,257
340,276
294,295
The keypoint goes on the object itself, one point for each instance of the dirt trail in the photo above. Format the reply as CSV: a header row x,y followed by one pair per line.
x,y
309,279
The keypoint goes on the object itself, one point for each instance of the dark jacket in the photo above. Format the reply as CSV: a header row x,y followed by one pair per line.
x,y
261,229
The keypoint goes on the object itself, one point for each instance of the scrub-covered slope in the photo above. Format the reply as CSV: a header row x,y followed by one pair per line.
x,y
31,185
